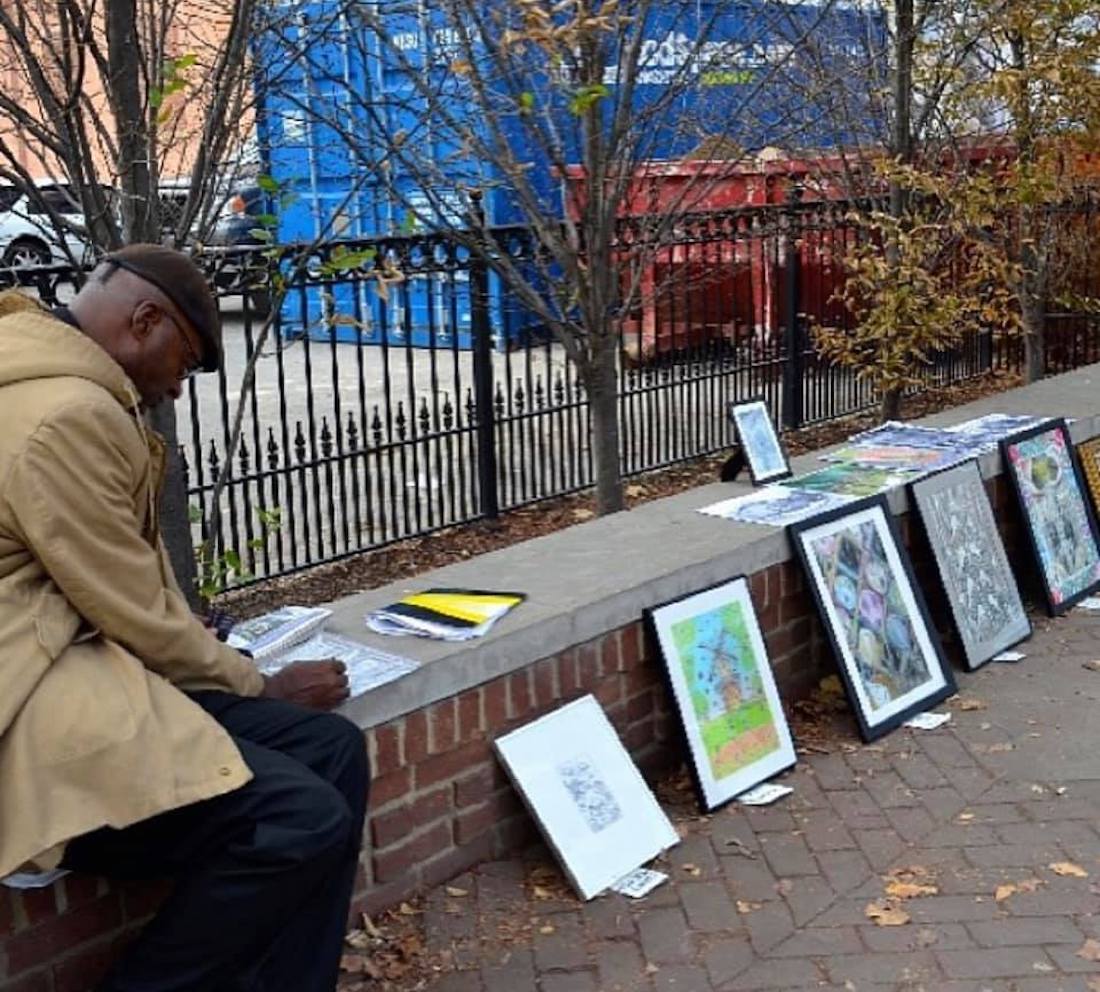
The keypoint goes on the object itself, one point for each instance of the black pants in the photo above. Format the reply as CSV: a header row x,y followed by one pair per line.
x,y
264,875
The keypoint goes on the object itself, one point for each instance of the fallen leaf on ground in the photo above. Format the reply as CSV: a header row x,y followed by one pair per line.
x,y
1094,984
546,928
1004,891
454,890
744,906
965,817
358,939
359,964
369,926
884,914
651,969
539,892
1000,747
406,910
1092,666
910,890
969,703
1068,868
583,513
1090,950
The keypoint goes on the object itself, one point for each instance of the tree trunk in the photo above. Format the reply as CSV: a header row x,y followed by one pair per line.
x,y
1033,319
890,407
141,222
602,386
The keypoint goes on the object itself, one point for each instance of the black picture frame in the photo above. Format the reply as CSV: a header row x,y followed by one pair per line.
x,y
714,791
966,568
1064,524
757,472
902,614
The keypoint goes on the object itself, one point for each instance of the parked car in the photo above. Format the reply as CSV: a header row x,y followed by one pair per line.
x,y
236,226
240,218
27,232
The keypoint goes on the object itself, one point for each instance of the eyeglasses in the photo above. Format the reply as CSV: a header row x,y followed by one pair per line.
x,y
194,362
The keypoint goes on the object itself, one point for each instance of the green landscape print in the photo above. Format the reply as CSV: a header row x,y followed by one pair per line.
x,y
727,690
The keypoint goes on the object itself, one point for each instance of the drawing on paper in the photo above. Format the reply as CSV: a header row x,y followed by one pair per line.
x,y
590,792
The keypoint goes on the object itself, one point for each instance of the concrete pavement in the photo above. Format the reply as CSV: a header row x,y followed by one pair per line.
x,y
978,844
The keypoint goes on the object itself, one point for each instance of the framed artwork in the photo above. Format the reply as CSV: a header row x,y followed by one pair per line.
x,y
588,797
729,706
1088,454
756,432
972,563
846,479
1041,463
889,656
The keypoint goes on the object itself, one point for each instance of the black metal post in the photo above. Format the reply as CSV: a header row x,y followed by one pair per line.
x,y
483,370
792,264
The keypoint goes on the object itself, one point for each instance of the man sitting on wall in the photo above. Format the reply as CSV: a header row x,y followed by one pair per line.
x,y
133,743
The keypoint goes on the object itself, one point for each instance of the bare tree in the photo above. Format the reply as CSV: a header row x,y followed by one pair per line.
x,y
108,97
558,118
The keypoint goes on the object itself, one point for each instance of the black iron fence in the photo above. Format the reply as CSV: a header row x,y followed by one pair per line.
x,y
401,390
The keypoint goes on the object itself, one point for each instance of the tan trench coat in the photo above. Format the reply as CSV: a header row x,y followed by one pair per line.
x,y
96,639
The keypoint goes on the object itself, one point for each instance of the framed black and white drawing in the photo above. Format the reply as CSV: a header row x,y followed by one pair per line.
x,y
889,655
1047,480
759,441
588,797
729,706
981,589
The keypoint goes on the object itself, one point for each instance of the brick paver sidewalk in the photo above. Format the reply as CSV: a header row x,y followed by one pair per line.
x,y
968,820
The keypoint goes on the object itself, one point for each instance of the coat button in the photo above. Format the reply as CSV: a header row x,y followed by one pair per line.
x,y
225,770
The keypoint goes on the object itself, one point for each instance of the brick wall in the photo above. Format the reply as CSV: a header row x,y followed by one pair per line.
x,y
440,801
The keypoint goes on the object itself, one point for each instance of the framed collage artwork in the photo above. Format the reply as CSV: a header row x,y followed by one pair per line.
x,y
889,655
970,556
1043,468
759,441
587,795
725,692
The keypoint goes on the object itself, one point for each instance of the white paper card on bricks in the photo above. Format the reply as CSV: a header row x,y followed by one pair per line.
x,y
588,797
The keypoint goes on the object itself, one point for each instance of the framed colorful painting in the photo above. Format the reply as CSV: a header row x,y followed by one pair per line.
x,y
717,665
1045,476
889,655
759,441
1088,455
981,589
587,795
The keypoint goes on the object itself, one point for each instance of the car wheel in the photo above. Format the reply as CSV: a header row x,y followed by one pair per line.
x,y
26,252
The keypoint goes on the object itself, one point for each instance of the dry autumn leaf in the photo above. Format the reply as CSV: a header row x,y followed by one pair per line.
x,y
744,906
369,926
406,910
1068,869
546,928
969,704
1092,666
359,964
1004,891
358,939
454,890
539,892
884,914
965,817
1090,950
910,890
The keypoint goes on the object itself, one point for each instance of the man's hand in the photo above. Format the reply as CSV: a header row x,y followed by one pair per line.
x,y
321,685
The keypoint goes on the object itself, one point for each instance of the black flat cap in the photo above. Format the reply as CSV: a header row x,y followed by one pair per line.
x,y
183,282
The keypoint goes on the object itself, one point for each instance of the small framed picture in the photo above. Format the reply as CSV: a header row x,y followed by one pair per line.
x,y
717,665
587,795
1047,480
1088,456
889,655
756,432
981,589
